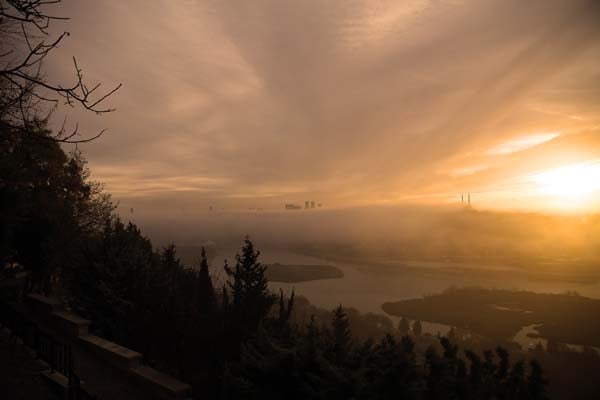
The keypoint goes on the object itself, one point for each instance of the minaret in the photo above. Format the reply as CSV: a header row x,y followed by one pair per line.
x,y
462,199
469,197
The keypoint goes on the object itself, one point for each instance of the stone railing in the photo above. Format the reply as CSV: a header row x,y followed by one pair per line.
x,y
106,369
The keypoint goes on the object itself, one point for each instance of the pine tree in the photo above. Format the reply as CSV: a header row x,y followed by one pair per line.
x,y
417,328
312,338
434,376
205,290
476,370
170,270
450,350
285,311
225,302
235,282
249,288
516,380
169,257
403,327
341,337
503,366
536,383
452,335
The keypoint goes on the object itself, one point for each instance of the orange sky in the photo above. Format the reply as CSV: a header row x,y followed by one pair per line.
x,y
254,104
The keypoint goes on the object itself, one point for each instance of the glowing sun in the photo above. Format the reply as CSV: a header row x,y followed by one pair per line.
x,y
571,184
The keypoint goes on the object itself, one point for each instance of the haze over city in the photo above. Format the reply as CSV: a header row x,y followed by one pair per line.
x,y
351,103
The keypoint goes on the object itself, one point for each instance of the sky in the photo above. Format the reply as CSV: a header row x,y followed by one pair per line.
x,y
255,104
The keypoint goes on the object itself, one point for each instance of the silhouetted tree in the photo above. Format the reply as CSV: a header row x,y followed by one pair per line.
x,y
452,334
48,207
504,364
27,96
283,323
475,373
417,330
341,337
205,290
249,289
515,384
403,326
119,280
312,338
536,383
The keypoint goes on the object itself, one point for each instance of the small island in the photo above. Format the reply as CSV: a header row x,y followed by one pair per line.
x,y
301,273
500,314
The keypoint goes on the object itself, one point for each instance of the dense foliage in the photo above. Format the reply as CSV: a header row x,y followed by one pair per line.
x,y
47,205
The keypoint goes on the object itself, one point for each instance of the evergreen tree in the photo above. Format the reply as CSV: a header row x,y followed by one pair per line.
x,y
516,380
225,303
249,288
312,338
417,328
434,375
169,258
170,272
285,310
171,265
450,350
536,382
452,335
341,337
205,291
476,369
503,366
403,326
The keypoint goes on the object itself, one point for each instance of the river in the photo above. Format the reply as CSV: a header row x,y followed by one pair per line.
x,y
366,289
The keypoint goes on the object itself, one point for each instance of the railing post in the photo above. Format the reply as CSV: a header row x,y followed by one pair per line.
x,y
51,353
36,342
73,384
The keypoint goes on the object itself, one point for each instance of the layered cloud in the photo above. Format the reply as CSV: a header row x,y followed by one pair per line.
x,y
350,102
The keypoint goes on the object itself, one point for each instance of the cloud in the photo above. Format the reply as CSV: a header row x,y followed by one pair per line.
x,y
522,143
349,101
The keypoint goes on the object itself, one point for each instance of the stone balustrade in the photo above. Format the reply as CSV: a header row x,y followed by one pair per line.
x,y
109,370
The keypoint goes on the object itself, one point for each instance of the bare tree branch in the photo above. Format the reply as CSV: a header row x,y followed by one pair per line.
x,y
28,99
